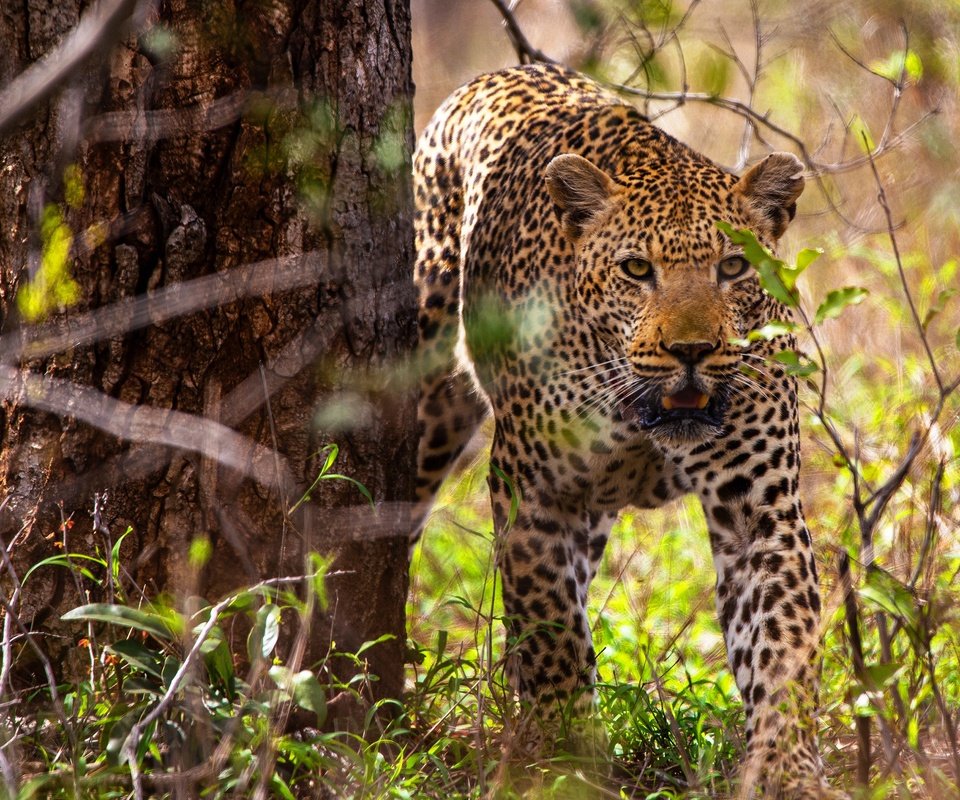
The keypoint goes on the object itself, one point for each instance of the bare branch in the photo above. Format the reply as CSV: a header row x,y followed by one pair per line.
x,y
100,27
885,205
250,280
145,424
149,126
526,52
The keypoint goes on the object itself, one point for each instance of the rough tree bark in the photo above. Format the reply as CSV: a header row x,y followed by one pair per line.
x,y
223,134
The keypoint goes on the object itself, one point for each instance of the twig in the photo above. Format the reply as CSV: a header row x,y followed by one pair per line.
x,y
130,314
145,424
885,205
526,52
856,653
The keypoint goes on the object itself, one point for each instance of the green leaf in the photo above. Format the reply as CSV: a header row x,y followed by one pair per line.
x,y
309,694
777,278
882,675
119,733
807,256
115,554
68,561
264,633
515,497
217,658
753,251
52,286
137,656
200,551
898,63
773,281
126,617
304,689
280,787
319,565
938,306
772,330
332,451
885,591
796,363
837,300
171,665
370,643
913,65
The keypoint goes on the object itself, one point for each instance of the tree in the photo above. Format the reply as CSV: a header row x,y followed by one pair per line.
x,y
208,241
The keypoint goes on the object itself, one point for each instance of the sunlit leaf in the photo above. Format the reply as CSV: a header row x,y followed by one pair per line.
x,y
124,616
772,330
861,134
777,278
837,300
199,552
265,632
775,282
52,286
319,565
304,689
70,561
279,786
796,364
897,64
882,675
885,591
807,256
218,659
938,306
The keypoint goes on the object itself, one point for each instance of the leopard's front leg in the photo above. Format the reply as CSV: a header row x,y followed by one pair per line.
x,y
767,596
547,555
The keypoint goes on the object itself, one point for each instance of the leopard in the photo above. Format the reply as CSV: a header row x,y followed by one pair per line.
x,y
574,283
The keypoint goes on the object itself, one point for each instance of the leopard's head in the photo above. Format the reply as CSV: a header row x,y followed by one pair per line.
x,y
663,289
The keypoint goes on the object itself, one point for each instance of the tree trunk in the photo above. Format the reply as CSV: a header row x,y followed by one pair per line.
x,y
221,135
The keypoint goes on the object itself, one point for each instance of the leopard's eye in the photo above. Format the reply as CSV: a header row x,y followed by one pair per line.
x,y
731,268
637,268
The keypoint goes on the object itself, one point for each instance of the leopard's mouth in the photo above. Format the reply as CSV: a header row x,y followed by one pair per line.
x,y
688,413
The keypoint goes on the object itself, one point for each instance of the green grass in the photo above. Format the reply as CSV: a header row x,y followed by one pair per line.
x,y
665,696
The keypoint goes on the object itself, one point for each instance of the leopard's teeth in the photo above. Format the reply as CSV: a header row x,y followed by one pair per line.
x,y
667,403
702,401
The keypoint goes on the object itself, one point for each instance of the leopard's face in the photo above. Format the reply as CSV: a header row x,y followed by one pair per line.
x,y
665,291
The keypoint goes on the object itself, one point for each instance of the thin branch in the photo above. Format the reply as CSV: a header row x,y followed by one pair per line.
x,y
885,205
852,616
101,27
149,126
145,424
526,52
130,314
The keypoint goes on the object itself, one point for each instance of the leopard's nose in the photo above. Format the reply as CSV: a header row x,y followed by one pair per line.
x,y
689,352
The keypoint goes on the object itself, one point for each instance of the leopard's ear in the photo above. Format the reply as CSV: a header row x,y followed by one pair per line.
x,y
580,191
771,189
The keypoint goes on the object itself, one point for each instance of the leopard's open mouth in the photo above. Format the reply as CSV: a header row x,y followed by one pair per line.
x,y
687,413
689,399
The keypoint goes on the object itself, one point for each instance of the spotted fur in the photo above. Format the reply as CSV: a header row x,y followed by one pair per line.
x,y
573,281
